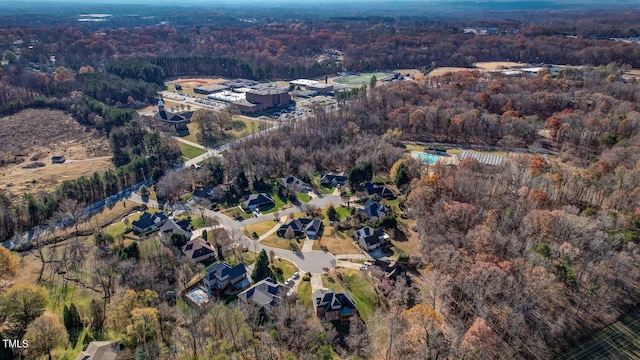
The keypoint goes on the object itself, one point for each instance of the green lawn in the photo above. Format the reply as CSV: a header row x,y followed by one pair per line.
x,y
279,203
236,211
259,228
304,291
362,79
303,197
362,292
323,190
189,151
287,267
343,212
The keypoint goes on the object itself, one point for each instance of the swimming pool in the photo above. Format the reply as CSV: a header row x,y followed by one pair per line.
x,y
424,157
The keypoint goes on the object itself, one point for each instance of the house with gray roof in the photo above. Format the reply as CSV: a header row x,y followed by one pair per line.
x,y
254,201
198,249
173,226
332,179
101,350
369,238
333,306
220,275
311,228
373,209
292,182
148,222
266,293
375,189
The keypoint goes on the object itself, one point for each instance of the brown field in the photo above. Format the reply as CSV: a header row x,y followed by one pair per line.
x,y
443,70
496,65
336,244
37,135
198,82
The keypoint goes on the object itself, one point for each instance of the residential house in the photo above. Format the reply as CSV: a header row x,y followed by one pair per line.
x,y
311,228
391,269
375,189
266,293
203,193
101,350
148,222
292,182
220,275
331,179
369,238
198,249
173,226
254,201
333,306
373,209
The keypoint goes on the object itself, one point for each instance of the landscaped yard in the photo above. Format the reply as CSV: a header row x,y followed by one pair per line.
x,y
259,228
279,203
304,291
287,267
282,243
343,212
235,212
323,190
338,243
362,292
303,197
193,131
189,151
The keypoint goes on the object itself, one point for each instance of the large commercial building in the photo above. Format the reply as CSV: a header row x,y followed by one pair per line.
x,y
263,99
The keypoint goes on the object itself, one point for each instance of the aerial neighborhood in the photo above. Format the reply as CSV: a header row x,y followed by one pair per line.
x,y
319,182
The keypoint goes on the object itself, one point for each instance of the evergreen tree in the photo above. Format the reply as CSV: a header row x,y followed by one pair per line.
x,y
72,322
261,269
402,177
332,214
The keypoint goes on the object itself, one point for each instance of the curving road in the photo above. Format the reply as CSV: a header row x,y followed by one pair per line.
x,y
313,261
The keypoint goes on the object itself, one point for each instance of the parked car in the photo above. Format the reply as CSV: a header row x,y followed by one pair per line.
x,y
296,275
364,267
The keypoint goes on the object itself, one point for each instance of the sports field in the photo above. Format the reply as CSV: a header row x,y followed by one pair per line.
x,y
362,79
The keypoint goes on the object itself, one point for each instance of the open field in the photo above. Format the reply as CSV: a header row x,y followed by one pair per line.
x,y
274,240
497,65
189,151
259,228
35,136
337,244
447,69
240,127
362,79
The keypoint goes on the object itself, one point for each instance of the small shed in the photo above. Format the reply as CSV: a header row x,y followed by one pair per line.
x,y
58,159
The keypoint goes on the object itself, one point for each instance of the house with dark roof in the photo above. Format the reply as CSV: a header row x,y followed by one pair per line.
x,y
203,193
373,209
331,179
369,238
178,121
220,275
266,293
391,269
311,228
292,182
254,201
333,306
173,226
148,222
375,189
101,350
198,249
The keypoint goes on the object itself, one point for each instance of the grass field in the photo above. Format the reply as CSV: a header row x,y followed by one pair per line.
x,y
362,291
282,243
240,127
303,197
362,79
189,151
287,267
338,243
35,135
304,291
618,341
259,228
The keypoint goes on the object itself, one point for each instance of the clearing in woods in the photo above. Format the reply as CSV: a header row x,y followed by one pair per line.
x,y
31,137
